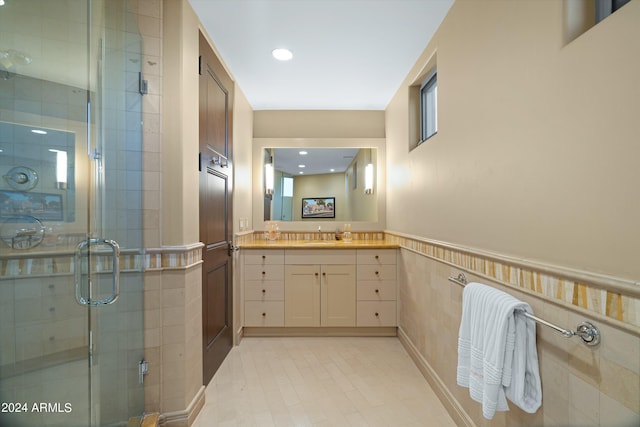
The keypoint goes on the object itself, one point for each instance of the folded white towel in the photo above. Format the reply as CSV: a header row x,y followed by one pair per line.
x,y
497,356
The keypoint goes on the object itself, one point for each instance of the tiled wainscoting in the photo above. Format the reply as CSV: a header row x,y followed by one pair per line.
x,y
581,385
173,333
42,325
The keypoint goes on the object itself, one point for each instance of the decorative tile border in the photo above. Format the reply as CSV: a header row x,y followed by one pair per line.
x,y
62,263
309,235
173,257
611,297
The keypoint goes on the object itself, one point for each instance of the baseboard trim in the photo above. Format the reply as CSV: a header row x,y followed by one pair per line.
x,y
460,417
186,417
319,332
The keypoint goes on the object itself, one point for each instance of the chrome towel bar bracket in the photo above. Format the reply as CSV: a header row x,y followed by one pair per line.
x,y
589,333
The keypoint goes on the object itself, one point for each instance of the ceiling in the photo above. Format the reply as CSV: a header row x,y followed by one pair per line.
x,y
348,54
315,161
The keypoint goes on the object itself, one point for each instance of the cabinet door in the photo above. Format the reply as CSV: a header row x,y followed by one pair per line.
x,y
338,295
302,295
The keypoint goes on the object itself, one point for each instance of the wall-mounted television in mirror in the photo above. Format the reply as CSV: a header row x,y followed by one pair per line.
x,y
318,207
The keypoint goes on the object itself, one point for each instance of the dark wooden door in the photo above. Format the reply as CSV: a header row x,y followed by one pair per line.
x,y
216,189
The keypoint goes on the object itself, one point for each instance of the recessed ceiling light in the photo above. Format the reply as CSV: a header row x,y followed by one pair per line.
x,y
303,153
282,54
302,166
301,173
332,170
39,131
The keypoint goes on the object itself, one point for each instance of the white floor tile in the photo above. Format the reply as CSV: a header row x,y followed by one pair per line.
x,y
317,382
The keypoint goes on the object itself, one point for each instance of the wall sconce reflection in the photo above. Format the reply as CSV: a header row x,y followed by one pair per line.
x,y
368,176
61,169
268,179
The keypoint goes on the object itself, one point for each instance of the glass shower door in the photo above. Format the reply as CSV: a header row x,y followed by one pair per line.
x,y
71,331
115,219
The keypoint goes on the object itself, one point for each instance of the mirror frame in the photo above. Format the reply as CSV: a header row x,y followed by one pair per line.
x,y
259,144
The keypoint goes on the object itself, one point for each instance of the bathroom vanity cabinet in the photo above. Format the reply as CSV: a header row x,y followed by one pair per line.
x,y
320,294
376,290
308,289
264,287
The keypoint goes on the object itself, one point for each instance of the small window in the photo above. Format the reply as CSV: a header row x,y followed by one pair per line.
x,y
429,107
605,8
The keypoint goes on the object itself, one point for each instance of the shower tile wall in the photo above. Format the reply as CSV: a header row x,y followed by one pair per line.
x,y
148,16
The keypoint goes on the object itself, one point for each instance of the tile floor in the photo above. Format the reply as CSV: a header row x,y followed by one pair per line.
x,y
320,382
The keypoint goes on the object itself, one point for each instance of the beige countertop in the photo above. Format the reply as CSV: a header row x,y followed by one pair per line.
x,y
318,244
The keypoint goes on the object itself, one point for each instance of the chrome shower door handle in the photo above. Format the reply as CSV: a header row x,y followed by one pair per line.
x,y
115,266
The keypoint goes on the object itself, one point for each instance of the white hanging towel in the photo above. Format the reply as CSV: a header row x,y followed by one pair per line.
x,y
497,356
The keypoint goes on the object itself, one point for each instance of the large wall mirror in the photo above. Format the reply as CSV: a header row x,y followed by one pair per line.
x,y
304,183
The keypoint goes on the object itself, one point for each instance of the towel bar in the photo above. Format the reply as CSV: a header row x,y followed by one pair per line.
x,y
589,333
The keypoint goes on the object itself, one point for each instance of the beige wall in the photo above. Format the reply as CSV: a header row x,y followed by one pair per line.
x,y
537,145
318,124
242,138
533,161
180,124
362,206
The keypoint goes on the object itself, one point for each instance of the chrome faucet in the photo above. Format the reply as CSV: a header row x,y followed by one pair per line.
x,y
319,232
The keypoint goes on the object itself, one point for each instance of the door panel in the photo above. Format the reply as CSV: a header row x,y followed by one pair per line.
x,y
216,108
302,295
215,297
216,192
215,208
338,298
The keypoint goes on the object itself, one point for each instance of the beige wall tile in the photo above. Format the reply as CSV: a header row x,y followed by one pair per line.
x,y
612,413
573,375
620,384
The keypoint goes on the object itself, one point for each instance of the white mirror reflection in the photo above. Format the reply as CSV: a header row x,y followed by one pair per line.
x,y
302,176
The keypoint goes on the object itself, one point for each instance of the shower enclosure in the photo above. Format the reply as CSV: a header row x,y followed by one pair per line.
x,y
71,320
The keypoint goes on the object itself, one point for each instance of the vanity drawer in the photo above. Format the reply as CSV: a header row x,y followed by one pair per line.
x,y
320,256
264,272
376,313
264,256
377,272
377,256
264,313
376,291
264,290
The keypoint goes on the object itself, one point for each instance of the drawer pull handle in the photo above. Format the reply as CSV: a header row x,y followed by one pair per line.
x,y
377,315
264,257
377,257
377,273
264,291
263,273
324,274
377,291
316,274
264,314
